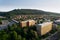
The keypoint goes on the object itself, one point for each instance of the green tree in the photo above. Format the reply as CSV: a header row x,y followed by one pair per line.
x,y
11,28
14,25
4,37
0,21
19,37
14,34
24,38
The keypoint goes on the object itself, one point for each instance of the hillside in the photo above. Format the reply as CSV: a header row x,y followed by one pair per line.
x,y
27,12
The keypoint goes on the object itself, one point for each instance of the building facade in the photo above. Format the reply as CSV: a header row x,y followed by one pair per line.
x,y
44,28
27,23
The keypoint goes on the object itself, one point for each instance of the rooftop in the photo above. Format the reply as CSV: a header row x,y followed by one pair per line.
x,y
44,24
57,20
4,22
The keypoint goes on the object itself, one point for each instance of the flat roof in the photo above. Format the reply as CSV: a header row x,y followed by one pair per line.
x,y
44,24
4,22
57,21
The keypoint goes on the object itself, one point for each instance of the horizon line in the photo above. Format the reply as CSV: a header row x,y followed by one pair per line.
x,y
31,9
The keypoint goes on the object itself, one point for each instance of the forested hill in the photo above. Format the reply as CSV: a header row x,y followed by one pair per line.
x,y
28,12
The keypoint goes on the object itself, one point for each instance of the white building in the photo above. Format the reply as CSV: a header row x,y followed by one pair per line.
x,y
5,24
57,21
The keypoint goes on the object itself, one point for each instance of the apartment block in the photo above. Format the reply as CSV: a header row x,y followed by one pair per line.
x,y
44,28
23,23
27,23
31,23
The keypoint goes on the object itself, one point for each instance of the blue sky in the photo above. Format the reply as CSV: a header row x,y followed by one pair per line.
x,y
46,5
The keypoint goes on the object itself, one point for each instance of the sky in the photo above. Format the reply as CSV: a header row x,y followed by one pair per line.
x,y
46,5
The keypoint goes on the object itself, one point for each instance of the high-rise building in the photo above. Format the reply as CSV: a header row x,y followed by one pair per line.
x,y
44,28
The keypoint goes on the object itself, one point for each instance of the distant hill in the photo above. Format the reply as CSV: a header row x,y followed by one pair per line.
x,y
27,12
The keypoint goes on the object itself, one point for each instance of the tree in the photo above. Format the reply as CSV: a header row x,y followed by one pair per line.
x,y
14,25
24,38
4,37
14,34
0,21
10,28
19,37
